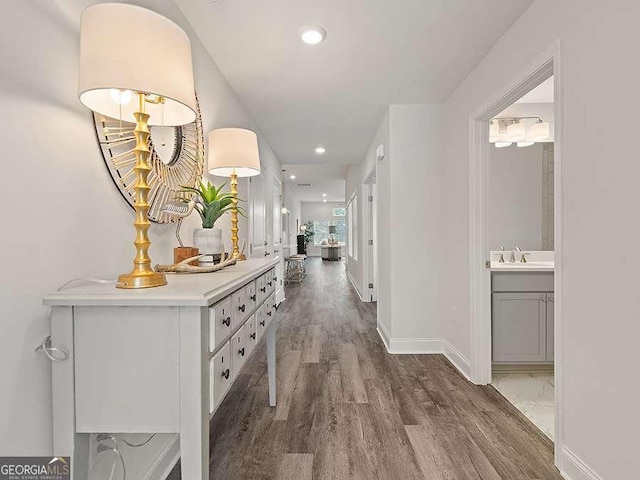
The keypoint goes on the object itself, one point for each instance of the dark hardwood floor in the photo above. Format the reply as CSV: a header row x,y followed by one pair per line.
x,y
347,409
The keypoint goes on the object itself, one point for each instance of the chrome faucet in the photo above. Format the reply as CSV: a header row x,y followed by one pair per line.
x,y
513,254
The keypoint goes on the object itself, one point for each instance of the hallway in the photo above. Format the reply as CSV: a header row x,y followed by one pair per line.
x,y
347,409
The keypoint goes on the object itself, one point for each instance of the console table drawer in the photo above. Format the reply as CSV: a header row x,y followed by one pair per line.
x,y
219,323
239,308
220,376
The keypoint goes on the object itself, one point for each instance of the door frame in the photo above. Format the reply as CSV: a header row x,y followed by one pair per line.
x,y
370,270
547,64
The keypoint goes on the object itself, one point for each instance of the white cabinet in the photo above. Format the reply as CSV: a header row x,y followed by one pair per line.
x,y
155,360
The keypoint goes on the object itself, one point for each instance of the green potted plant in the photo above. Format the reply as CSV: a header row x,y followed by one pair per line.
x,y
210,203
308,233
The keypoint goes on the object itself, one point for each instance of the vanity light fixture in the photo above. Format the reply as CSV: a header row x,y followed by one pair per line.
x,y
320,150
313,35
516,131
494,131
539,131
507,130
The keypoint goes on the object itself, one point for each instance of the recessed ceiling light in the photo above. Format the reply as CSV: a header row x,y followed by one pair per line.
x,y
312,35
292,177
325,200
320,150
324,194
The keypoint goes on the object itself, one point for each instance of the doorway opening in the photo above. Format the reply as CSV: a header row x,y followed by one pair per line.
x,y
516,243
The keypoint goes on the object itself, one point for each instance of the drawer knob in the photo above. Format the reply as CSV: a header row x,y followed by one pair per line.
x,y
263,289
262,323
253,297
275,279
226,321
270,283
253,336
241,308
269,312
226,374
241,352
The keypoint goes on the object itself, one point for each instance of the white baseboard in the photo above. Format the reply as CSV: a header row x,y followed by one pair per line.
x,y
384,335
573,468
458,360
355,286
425,346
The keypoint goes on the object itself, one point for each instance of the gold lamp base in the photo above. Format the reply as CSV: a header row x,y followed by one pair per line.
x,y
236,253
142,275
151,279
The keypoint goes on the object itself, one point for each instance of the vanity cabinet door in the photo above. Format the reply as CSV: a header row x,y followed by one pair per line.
x,y
519,327
550,327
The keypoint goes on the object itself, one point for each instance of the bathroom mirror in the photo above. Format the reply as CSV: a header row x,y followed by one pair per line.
x,y
176,159
521,199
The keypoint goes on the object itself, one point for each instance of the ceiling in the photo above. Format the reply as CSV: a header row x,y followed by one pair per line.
x,y
334,94
323,179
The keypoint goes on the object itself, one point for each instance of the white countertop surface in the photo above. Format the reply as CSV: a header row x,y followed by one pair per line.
x,y
185,289
537,261
522,267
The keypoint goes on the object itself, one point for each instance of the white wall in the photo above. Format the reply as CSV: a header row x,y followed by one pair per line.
x,y
409,217
318,211
601,196
64,217
515,197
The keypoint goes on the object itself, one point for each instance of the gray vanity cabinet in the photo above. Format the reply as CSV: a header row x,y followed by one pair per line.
x,y
522,317
519,327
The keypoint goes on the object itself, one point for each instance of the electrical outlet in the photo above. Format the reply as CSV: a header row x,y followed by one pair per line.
x,y
454,314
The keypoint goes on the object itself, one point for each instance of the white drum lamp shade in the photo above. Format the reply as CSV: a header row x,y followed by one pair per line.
x,y
233,150
129,48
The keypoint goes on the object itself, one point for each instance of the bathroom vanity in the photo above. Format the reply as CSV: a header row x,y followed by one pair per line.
x,y
522,310
156,360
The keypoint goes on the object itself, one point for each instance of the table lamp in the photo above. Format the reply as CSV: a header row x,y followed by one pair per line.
x,y
136,65
233,153
332,232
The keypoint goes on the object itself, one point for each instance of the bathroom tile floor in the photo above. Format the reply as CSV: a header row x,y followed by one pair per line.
x,y
532,394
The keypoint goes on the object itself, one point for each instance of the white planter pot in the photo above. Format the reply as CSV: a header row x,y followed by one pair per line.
x,y
209,242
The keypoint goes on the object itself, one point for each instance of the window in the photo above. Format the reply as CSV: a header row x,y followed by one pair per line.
x,y
321,230
339,212
352,227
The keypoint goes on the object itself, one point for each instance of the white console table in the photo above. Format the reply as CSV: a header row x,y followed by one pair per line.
x,y
157,360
